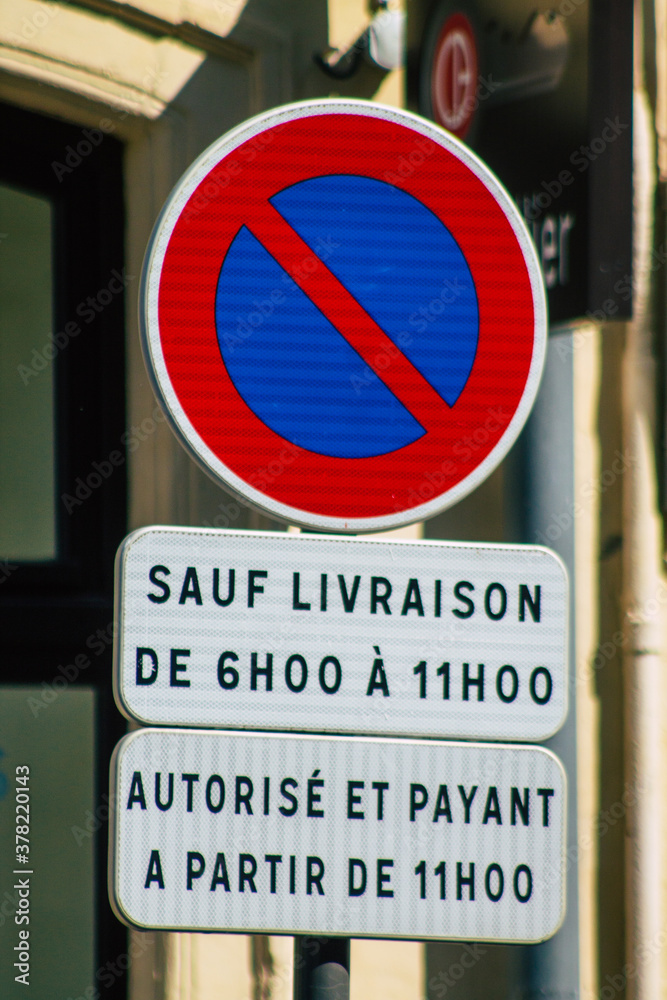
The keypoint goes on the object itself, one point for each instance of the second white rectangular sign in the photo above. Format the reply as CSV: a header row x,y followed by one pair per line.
x,y
341,635
263,833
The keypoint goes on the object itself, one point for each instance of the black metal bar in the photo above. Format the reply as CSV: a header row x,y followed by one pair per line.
x,y
321,968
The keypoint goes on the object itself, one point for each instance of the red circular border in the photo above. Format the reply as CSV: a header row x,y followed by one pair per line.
x,y
459,440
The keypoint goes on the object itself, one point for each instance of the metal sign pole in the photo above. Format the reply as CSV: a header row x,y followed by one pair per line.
x,y
321,968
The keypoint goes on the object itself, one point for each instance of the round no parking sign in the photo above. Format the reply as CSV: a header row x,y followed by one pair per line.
x,y
343,315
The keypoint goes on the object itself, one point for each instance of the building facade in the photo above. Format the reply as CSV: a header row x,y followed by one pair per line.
x,y
104,104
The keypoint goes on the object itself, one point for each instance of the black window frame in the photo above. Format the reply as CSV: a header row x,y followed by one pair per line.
x,y
51,612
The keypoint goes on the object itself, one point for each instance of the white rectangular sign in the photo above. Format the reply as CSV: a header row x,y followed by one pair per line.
x,y
336,634
331,835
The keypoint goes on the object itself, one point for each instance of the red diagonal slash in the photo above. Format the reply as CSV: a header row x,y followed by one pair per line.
x,y
349,318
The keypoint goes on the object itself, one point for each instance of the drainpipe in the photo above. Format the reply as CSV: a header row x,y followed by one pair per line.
x,y
644,592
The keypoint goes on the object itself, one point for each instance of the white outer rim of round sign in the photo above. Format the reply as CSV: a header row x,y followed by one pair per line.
x,y
150,333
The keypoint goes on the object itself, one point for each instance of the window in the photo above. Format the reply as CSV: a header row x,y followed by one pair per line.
x,y
62,516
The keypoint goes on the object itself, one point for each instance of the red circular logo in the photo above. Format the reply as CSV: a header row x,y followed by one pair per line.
x,y
455,72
